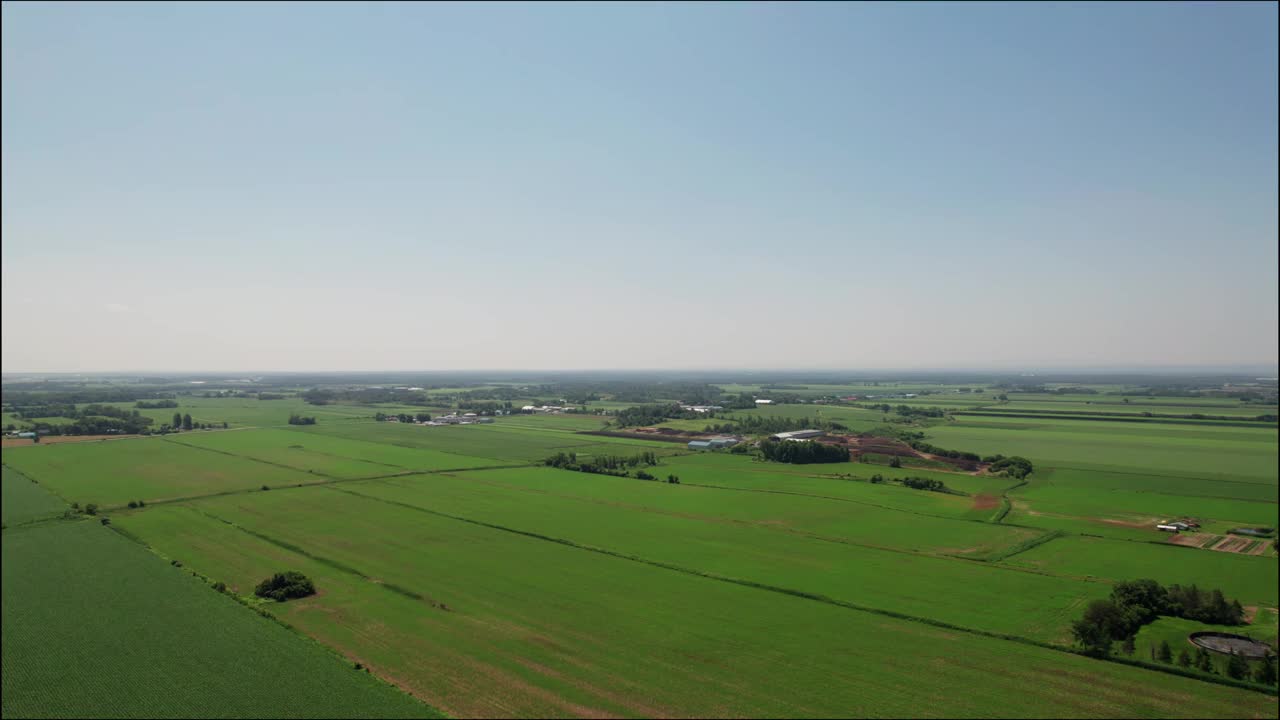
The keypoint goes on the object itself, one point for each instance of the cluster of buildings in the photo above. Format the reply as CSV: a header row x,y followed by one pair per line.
x,y
464,419
797,435
701,408
714,443
1178,526
547,408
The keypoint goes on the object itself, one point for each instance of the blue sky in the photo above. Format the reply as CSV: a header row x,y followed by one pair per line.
x,y
332,186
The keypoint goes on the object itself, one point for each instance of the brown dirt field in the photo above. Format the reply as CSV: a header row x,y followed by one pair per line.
x,y
1263,548
984,501
55,439
1192,540
1231,544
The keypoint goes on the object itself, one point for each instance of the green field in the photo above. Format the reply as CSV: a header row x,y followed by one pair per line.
x,y
548,622
22,500
460,569
139,638
111,473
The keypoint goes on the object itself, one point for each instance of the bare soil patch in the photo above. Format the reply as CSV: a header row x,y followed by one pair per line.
x,y
985,501
1198,541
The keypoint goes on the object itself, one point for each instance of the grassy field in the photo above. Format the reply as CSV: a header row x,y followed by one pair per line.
x,y
112,472
1252,580
463,571
546,628
139,638
22,500
519,442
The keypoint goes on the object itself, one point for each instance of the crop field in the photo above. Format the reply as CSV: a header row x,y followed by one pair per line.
x,y
23,501
140,638
544,622
458,568
329,456
1252,580
518,443
112,473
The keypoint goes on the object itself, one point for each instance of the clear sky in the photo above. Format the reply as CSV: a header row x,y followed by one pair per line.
x,y
425,186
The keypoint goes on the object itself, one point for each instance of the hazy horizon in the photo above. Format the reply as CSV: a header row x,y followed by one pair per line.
x,y
361,188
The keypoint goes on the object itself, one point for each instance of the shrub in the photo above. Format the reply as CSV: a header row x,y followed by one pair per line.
x,y
264,487
133,504
220,586
285,586
91,508
106,521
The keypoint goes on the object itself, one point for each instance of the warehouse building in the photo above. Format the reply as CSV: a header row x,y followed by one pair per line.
x,y
797,435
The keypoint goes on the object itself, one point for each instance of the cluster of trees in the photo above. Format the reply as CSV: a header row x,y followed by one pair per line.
x,y
1135,603
802,453
615,465
484,407
155,404
1014,466
650,414
925,447
916,483
285,586
767,425
364,396
920,483
271,396
403,417
296,419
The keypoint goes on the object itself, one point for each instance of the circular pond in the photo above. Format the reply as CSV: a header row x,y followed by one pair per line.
x,y
1228,644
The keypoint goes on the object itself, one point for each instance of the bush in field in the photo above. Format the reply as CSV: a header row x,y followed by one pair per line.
x,y
1165,654
285,586
1184,658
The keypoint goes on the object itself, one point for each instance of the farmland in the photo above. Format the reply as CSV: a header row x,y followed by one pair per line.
x,y
141,638
460,569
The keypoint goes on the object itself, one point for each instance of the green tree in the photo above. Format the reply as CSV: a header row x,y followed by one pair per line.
x,y
1266,671
1184,658
186,421
1127,646
1166,653
895,462
177,420
1237,667
1204,661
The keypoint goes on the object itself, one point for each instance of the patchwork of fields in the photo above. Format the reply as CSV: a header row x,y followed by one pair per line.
x,y
458,568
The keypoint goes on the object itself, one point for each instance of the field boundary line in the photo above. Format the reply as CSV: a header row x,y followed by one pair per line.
x,y
816,597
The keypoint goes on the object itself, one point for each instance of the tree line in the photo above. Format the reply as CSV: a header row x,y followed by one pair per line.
x,y
616,465
155,404
802,453
296,419
770,424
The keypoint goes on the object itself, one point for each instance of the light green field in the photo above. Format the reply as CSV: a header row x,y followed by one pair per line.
x,y
566,631
23,501
1229,453
139,638
1251,580
520,443
111,473
329,456
856,419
